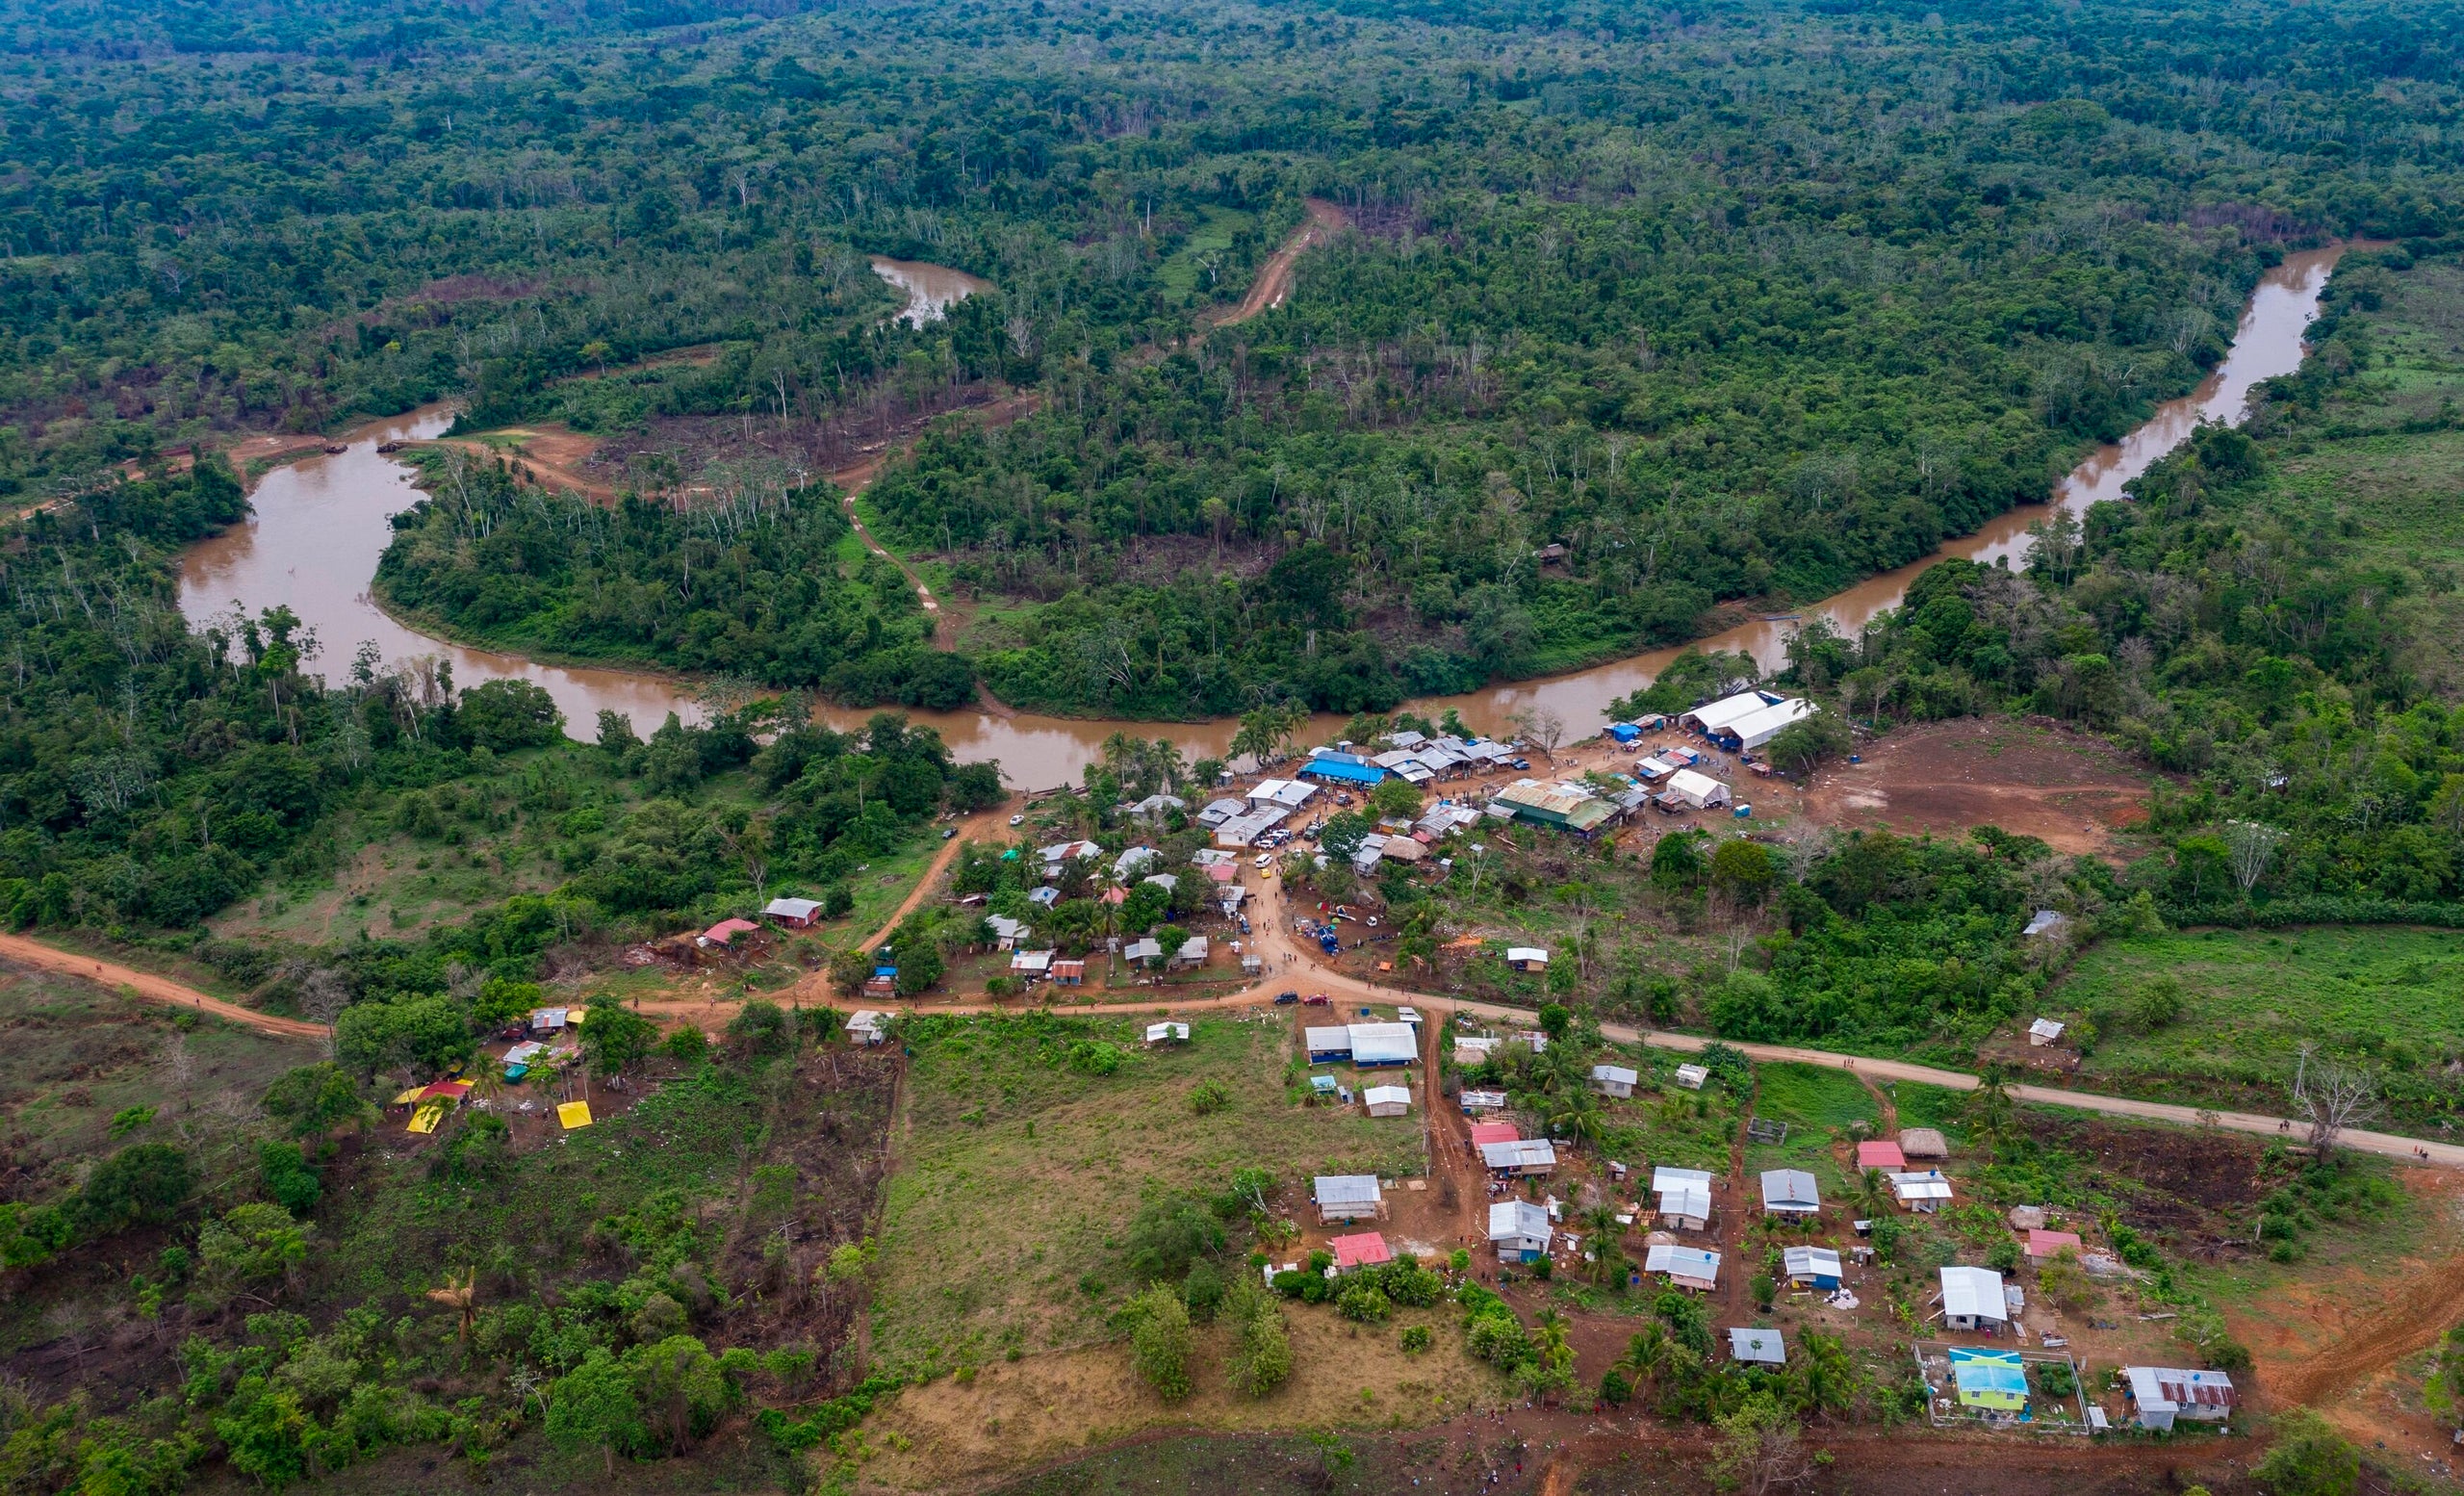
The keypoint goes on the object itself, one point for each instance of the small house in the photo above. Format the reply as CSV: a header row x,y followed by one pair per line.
x,y
1789,1191
1069,974
864,1026
1143,949
1155,807
1923,1192
1692,1076
1758,1348
1529,1157
1126,866
1031,963
1483,1101
1007,932
1684,1198
1880,1154
883,983
1923,1143
1485,1133
1349,1196
1168,882
548,1021
1995,1381
1387,1101
1192,953
794,914
1167,1033
1384,1043
1060,852
2043,1243
1286,795
1526,957
1810,1267
1687,1267
1360,1249
1044,898
1519,1230
722,935
1972,1299
1328,1042
1613,1080
2160,1394
2043,1032
1217,811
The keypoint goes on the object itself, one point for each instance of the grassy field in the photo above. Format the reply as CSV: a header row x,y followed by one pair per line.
x,y
1208,244
1819,1106
1021,1170
2249,1000
1663,1125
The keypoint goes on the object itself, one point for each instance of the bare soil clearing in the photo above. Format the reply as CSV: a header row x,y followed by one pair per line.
x,y
549,455
1274,278
2072,791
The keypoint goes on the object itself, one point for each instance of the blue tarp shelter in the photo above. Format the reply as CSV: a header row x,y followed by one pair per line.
x,y
1344,767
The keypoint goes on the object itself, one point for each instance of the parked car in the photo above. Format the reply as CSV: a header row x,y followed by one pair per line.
x,y
1286,999
1524,764
1265,859
1018,819
1317,1000
947,832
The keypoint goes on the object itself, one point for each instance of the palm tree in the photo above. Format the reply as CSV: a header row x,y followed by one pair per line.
x,y
1873,1193
1606,1234
1576,1115
1651,1354
1991,1115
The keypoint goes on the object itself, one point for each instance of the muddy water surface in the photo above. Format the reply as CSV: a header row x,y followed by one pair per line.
x,y
320,525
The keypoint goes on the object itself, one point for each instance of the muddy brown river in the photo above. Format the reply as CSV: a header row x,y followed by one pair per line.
x,y
320,525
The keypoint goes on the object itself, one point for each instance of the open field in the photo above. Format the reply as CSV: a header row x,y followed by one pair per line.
x,y
2071,790
1020,1169
2248,1001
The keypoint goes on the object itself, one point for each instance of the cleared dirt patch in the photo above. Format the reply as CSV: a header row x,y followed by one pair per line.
x,y
2200,1187
2072,791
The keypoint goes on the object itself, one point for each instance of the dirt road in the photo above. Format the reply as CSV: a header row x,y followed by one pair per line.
x,y
1274,278
150,988
967,831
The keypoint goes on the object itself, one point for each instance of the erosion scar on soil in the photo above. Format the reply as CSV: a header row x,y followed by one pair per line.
x,y
2423,1309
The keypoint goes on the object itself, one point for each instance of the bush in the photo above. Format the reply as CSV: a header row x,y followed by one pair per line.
x,y
761,1028
1364,1304
687,1046
2308,1458
1160,1342
1263,1358
1416,1339
1614,1389
1202,1290
142,1184
1209,1097
2005,1256
287,1178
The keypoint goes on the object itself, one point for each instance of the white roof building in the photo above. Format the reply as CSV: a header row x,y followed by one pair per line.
x,y
1193,951
1616,1081
1810,1265
1005,931
1525,1155
1344,1196
1971,1297
1168,882
2162,1393
1167,1033
1217,811
1684,1196
1329,1038
1526,956
1157,805
1756,728
2044,1031
1692,1076
2045,921
1789,1191
1711,716
1483,1100
1384,1043
1134,859
865,1026
1923,1192
1283,794
1757,1347
1243,830
797,908
1387,1101
1143,950
1033,963
1698,789
1687,1267
1065,851
1519,1228
1475,1048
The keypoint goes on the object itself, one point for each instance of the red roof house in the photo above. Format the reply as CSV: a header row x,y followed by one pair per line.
x,y
1494,1132
2042,1243
1884,1155
1362,1249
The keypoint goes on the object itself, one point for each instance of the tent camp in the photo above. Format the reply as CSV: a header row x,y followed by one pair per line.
x,y
1711,716
1700,790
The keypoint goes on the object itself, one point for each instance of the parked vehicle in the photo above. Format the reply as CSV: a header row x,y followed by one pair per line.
x,y
1018,819
1317,1000
1286,999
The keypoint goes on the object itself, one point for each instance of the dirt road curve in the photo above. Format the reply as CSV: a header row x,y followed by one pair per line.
x,y
969,831
152,989
1274,278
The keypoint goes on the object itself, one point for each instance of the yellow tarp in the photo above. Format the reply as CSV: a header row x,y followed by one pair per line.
x,y
574,1017
409,1096
426,1118
574,1114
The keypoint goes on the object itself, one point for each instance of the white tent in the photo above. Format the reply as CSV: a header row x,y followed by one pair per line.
x,y
1384,1043
1698,789
1167,1033
1755,729
1715,716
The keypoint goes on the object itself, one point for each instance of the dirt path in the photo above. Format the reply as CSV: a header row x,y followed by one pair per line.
x,y
1450,1153
967,831
2429,1304
152,989
1735,1214
853,479
1274,278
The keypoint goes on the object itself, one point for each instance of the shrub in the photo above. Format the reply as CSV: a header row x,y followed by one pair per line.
x,y
1614,1389
1263,1358
1364,1304
287,1178
2005,1256
760,1027
687,1046
2308,1458
1210,1096
1160,1342
1202,1290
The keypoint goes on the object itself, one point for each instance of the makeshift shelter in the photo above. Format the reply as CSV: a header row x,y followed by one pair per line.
x,y
796,913
1613,1080
547,1021
571,1115
2045,921
1387,1101
2044,1031
2160,1394
1972,1299
1880,1154
1526,957
1995,1380
1757,1347
1684,1196
1473,1050
1328,1042
864,1026
1483,1101
1519,1230
1069,974
1687,1267
1923,1192
1360,1249
1923,1143
1349,1196
1810,1267
1030,963
1528,1156
1384,1043
1167,1033
1045,897
1789,1191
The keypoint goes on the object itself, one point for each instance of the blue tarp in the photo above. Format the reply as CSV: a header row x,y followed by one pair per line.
x,y
1344,767
1624,731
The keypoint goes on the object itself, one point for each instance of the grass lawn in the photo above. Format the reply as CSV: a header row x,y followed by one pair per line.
x,y
1819,1106
1663,1125
2250,1000
1020,1169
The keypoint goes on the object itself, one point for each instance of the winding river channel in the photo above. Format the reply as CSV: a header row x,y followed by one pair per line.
x,y
320,525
